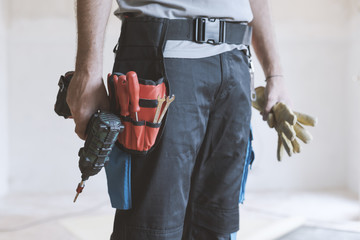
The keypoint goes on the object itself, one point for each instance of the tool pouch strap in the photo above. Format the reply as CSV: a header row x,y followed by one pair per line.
x,y
139,137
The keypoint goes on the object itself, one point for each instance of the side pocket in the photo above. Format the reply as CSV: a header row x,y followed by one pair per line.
x,y
151,133
137,136
249,159
125,136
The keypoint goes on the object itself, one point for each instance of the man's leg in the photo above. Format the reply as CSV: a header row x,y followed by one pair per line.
x,y
161,180
212,212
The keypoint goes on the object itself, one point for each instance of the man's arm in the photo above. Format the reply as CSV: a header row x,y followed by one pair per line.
x,y
265,48
86,92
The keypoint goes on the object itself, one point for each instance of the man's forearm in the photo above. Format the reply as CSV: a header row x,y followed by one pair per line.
x,y
263,38
86,92
92,17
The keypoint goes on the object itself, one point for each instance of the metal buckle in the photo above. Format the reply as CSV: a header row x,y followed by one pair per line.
x,y
210,30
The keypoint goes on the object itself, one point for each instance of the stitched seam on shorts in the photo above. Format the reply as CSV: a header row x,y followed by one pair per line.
x,y
154,230
200,206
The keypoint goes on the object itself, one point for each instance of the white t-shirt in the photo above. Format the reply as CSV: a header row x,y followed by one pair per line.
x,y
232,10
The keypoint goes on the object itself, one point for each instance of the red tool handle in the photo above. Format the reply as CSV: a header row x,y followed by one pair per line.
x,y
133,89
122,92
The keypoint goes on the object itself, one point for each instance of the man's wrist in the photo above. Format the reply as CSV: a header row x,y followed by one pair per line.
x,y
88,65
269,77
88,74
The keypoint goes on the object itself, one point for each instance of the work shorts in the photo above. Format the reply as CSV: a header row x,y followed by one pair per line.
x,y
188,186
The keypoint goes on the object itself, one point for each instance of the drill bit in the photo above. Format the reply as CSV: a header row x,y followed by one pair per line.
x,y
79,189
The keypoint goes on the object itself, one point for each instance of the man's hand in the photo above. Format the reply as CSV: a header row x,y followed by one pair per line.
x,y
287,123
264,44
275,92
86,94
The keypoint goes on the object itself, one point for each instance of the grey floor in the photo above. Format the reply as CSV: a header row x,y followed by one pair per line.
x,y
315,233
264,216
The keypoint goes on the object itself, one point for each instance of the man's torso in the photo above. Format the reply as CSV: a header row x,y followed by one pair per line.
x,y
233,10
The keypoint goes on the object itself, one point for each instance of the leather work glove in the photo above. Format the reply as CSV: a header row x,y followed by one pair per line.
x,y
287,123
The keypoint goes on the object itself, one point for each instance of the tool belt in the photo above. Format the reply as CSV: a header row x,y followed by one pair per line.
x,y
209,30
201,29
142,125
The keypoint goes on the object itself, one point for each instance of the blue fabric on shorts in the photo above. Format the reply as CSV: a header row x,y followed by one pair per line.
x,y
118,172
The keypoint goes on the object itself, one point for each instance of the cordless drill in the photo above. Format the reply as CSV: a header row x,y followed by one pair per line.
x,y
102,132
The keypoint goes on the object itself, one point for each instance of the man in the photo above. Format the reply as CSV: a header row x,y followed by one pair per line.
x,y
188,186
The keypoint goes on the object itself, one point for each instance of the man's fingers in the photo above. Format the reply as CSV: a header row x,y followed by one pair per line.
x,y
80,131
284,113
105,104
269,104
81,125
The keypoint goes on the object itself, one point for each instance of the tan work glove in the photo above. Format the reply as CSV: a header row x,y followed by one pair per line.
x,y
286,123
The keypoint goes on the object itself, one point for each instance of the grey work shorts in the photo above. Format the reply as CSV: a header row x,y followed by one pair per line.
x,y
188,186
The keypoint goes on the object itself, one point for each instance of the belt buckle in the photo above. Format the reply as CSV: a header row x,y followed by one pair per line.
x,y
210,30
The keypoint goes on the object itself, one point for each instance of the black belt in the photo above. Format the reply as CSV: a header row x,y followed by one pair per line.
x,y
209,30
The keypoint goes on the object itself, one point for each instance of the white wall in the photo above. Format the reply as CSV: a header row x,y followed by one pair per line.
x,y
315,43
43,146
316,49
4,157
353,109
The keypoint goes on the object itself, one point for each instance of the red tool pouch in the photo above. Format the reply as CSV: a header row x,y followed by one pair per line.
x,y
139,136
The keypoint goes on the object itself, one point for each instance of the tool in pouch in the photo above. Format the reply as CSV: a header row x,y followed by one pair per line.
x,y
140,104
102,132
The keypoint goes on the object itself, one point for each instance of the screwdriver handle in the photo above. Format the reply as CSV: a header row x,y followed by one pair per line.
x,y
122,93
133,89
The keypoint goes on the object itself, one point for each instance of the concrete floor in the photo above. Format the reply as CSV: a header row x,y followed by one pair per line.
x,y
265,215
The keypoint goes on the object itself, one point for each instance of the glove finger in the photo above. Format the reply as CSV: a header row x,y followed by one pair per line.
x,y
302,133
306,119
287,144
271,120
283,113
280,149
256,105
260,97
288,130
296,146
